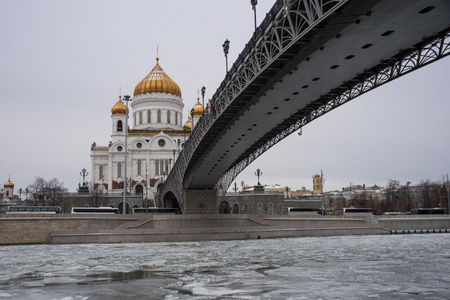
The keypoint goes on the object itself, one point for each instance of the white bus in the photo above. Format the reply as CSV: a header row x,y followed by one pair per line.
x,y
94,210
304,211
353,211
33,209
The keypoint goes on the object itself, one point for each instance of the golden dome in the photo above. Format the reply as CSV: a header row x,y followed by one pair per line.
x,y
188,124
157,81
8,184
119,108
198,108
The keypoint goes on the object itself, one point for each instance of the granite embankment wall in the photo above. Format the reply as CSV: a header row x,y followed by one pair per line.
x,y
66,228
416,223
38,228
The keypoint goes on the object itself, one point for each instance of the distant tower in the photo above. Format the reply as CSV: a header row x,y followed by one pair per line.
x,y
9,188
317,184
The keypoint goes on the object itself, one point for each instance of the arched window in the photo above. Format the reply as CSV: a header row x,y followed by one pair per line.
x,y
156,167
119,126
168,117
259,207
149,116
140,117
139,167
100,172
135,117
158,116
176,118
119,170
166,170
161,167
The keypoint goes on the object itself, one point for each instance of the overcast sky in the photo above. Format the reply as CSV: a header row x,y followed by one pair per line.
x,y
63,63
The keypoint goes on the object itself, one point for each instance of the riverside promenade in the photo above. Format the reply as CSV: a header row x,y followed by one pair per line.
x,y
75,229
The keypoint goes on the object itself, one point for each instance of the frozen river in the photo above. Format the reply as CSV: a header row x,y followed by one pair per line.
x,y
348,267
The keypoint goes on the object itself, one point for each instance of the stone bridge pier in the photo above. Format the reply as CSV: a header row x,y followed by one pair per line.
x,y
200,201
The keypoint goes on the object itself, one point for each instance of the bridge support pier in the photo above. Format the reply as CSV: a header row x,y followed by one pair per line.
x,y
200,201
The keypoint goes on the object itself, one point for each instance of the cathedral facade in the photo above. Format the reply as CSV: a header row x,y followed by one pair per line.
x,y
156,136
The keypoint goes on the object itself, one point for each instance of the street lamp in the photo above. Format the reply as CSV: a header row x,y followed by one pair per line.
x,y
258,173
126,98
84,173
102,179
226,47
447,185
254,2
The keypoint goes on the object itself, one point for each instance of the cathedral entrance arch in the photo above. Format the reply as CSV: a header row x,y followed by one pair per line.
x,y
120,207
224,207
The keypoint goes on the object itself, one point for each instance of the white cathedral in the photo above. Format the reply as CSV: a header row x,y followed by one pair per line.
x,y
154,142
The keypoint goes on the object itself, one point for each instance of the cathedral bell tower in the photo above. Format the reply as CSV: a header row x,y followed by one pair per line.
x,y
118,115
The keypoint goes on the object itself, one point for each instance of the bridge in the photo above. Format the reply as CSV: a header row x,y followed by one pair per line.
x,y
306,58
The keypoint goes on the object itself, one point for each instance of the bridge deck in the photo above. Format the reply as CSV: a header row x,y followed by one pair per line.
x,y
351,43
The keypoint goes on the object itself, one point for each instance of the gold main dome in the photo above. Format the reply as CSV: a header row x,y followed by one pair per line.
x,y
119,108
157,81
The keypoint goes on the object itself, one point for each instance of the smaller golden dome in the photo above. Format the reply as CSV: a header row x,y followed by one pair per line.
x,y
188,124
8,184
119,108
198,108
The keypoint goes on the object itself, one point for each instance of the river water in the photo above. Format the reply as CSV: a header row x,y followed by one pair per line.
x,y
346,267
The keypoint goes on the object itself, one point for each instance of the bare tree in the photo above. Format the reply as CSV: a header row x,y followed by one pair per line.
x,y
46,192
55,189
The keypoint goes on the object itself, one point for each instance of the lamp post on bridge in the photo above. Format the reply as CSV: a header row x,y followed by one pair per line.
x,y
203,98
226,47
254,3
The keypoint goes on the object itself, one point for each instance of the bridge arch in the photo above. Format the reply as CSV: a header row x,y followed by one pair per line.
x,y
224,207
169,200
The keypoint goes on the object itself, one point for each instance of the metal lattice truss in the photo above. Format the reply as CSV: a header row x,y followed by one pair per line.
x,y
424,53
285,24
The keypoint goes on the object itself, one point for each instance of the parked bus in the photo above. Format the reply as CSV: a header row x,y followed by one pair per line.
x,y
304,211
429,211
155,211
353,211
33,209
94,210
